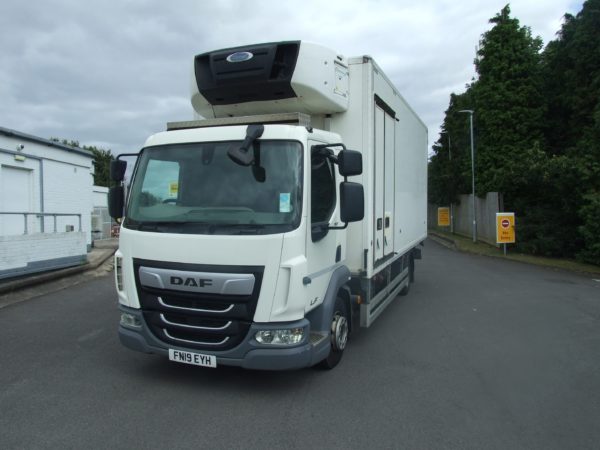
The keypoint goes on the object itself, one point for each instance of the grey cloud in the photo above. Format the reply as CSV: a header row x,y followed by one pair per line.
x,y
114,73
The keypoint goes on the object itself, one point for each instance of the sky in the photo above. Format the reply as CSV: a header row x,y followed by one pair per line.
x,y
112,73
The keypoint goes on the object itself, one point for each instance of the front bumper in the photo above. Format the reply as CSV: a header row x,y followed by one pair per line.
x,y
249,354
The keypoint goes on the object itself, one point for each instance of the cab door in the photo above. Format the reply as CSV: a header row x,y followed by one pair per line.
x,y
323,246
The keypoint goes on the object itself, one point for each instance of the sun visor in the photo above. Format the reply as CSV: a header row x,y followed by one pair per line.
x,y
280,77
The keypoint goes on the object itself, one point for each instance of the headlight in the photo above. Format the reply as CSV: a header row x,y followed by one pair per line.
x,y
288,336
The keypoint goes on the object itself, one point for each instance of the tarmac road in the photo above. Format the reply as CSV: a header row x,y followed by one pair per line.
x,y
482,353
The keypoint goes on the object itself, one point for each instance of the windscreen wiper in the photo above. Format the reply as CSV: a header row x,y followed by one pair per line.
x,y
161,226
240,228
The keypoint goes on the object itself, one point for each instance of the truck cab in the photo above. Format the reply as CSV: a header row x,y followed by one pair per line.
x,y
228,259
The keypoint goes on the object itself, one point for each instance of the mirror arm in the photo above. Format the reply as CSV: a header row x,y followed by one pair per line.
x,y
127,154
328,154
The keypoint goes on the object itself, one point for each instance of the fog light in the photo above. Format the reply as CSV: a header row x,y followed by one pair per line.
x,y
289,336
129,320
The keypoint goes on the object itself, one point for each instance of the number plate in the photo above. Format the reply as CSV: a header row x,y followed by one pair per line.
x,y
195,359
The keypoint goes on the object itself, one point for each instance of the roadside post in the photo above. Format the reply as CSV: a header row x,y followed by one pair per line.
x,y
505,229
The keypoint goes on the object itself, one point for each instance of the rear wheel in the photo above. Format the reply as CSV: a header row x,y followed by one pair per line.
x,y
411,275
411,269
339,334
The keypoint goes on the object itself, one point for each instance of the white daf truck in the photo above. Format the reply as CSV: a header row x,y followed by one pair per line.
x,y
253,236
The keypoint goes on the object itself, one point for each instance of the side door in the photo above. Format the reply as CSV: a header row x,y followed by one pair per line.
x,y
16,195
384,183
323,246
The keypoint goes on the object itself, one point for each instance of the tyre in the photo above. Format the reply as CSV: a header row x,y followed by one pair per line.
x,y
339,334
411,275
405,289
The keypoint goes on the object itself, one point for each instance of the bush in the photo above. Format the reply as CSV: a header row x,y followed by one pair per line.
x,y
590,230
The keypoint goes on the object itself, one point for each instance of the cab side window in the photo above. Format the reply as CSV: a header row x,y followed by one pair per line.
x,y
323,188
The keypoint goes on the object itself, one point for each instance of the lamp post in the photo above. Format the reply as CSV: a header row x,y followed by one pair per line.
x,y
470,112
450,159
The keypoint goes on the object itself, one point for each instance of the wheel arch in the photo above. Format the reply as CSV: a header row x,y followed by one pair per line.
x,y
320,317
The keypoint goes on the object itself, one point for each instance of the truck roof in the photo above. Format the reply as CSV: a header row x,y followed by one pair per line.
x,y
238,132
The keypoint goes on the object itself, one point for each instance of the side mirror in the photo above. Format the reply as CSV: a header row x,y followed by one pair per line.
x,y
117,170
352,202
242,155
116,201
349,163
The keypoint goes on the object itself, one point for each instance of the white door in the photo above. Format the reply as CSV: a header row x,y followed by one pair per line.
x,y
388,196
16,195
379,183
384,182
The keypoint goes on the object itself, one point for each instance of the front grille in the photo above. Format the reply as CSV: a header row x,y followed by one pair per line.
x,y
204,321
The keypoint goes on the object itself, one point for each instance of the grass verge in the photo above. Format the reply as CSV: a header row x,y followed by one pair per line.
x,y
465,244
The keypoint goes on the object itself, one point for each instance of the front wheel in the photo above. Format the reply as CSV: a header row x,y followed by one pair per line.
x,y
339,334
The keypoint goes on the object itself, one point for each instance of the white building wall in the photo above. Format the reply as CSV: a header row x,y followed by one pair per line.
x,y
100,197
68,189
61,182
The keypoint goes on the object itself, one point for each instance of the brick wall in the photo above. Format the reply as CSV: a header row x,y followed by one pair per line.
x,y
38,252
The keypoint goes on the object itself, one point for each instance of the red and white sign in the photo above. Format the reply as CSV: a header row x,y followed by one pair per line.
x,y
505,228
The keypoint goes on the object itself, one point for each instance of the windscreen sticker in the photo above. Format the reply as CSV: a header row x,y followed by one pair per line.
x,y
285,205
173,189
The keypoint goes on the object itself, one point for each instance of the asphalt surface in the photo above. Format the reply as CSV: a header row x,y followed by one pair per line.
x,y
482,353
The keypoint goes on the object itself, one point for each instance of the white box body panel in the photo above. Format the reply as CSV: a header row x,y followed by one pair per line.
x,y
394,168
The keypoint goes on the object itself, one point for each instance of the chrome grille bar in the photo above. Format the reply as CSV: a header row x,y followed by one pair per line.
x,y
195,342
217,311
193,327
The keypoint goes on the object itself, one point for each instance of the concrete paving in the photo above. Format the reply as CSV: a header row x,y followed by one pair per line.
x,y
483,353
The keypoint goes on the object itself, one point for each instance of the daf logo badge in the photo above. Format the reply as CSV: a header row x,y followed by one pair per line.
x,y
189,281
239,57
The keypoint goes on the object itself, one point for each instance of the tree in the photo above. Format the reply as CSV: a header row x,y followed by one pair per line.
x,y
537,133
450,165
102,159
571,66
509,106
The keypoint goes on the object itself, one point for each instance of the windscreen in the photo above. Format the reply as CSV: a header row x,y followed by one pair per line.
x,y
197,188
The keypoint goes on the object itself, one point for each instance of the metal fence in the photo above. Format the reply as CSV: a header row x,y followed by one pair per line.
x,y
101,223
38,223
462,220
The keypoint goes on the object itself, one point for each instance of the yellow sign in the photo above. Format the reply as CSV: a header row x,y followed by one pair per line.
x,y
443,216
173,189
505,228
